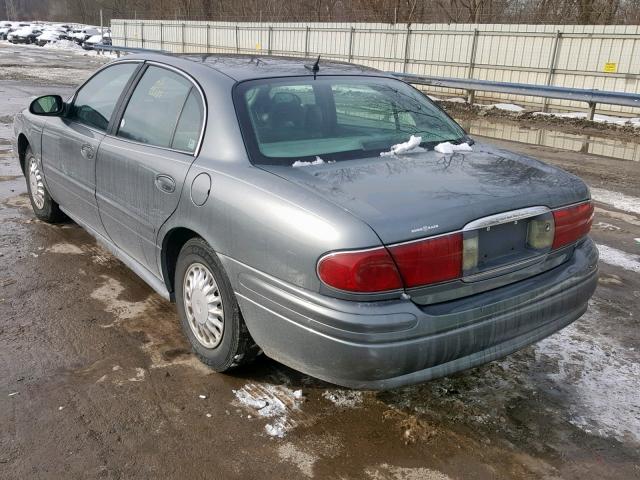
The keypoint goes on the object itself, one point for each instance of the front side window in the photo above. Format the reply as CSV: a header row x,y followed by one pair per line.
x,y
155,108
335,118
96,100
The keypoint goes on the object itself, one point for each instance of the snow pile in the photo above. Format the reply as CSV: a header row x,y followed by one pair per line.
x,y
64,45
317,161
448,148
410,146
276,402
72,47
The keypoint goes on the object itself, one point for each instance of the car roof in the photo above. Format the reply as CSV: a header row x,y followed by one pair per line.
x,y
242,67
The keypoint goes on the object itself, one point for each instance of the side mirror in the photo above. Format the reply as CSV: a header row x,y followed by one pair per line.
x,y
48,105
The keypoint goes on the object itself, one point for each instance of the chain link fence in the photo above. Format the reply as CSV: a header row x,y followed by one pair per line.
x,y
604,57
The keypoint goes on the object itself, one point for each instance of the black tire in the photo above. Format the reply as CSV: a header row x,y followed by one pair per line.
x,y
236,346
49,211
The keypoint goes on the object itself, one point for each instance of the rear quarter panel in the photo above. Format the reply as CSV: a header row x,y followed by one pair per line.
x,y
266,223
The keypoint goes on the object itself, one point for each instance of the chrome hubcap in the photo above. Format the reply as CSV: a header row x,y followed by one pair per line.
x,y
203,305
35,184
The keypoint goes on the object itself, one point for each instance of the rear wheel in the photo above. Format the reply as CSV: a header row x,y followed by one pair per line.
x,y
43,205
208,309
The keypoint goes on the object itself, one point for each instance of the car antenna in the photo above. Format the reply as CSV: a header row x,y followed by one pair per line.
x,y
315,68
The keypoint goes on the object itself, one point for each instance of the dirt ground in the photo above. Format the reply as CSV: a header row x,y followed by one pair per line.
x,y
97,381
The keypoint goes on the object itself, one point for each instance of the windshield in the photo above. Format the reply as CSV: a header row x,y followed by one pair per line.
x,y
336,118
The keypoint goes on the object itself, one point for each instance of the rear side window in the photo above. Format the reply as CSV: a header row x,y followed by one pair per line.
x,y
190,123
155,108
96,100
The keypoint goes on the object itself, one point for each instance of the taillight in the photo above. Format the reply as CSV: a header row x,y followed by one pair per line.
x,y
429,261
572,223
365,271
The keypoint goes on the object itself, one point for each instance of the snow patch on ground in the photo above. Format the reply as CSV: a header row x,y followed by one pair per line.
x,y
276,402
344,398
598,118
455,100
617,200
448,148
507,107
603,375
65,248
390,472
108,293
303,460
618,258
410,146
140,374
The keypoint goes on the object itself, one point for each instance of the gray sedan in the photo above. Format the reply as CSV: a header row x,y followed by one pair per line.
x,y
326,214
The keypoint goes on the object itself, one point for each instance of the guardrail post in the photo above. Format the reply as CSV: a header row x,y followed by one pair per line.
x,y
306,42
182,37
161,36
142,33
592,110
351,43
471,94
552,66
269,39
237,41
406,49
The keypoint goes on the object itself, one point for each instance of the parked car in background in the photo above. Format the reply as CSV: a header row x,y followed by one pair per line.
x,y
327,214
26,34
80,35
4,31
90,42
49,36
10,27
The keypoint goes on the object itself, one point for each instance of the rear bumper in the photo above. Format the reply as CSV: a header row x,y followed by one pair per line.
x,y
388,344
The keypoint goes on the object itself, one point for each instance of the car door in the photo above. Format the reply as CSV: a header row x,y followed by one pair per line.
x,y
70,143
142,164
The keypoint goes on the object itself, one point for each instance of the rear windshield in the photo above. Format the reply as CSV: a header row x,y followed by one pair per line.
x,y
335,118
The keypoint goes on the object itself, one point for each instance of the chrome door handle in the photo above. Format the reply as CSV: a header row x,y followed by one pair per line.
x,y
87,151
165,183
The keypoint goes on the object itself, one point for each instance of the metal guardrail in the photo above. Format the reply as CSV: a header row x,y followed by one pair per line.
x,y
590,97
119,50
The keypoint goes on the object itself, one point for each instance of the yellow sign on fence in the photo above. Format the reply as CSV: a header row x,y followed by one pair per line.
x,y
611,67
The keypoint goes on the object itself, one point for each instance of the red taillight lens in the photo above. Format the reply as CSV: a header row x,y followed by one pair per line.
x,y
572,223
429,261
360,271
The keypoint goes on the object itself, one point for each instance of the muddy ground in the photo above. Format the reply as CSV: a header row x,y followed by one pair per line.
x,y
96,380
530,118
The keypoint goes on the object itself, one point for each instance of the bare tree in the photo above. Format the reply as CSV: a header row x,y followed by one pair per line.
x,y
386,11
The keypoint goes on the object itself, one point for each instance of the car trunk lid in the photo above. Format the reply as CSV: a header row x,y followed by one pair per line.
x,y
424,194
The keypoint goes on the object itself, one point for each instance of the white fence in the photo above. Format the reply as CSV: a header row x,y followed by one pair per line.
x,y
601,57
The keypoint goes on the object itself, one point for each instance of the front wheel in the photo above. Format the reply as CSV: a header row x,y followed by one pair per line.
x,y
45,208
208,309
